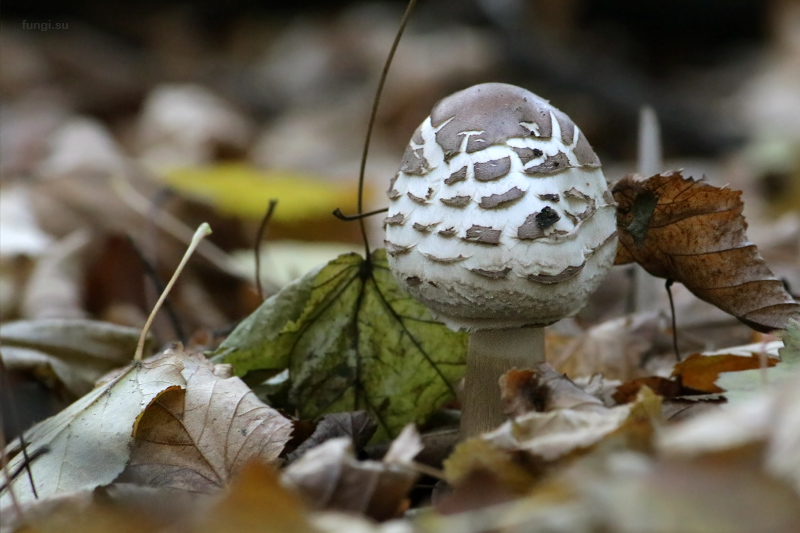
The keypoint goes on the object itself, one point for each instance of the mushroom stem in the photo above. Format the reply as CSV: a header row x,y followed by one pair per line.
x,y
491,354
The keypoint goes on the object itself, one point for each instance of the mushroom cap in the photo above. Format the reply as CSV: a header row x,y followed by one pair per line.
x,y
500,215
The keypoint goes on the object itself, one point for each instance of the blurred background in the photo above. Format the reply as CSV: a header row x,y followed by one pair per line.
x,y
126,124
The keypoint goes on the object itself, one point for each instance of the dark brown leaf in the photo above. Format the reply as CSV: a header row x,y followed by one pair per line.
x,y
355,424
627,392
692,232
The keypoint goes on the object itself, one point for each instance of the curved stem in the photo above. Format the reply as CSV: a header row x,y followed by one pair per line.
x,y
372,116
491,354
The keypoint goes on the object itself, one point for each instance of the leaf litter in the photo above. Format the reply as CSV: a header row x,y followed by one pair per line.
x,y
351,340
570,459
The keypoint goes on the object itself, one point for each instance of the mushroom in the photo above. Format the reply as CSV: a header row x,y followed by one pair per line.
x,y
501,223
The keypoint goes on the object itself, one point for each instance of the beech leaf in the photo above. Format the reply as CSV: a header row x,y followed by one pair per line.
x,y
351,340
198,436
87,444
694,233
75,352
329,477
746,384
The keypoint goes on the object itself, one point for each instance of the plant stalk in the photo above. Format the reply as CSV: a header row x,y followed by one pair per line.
x,y
491,354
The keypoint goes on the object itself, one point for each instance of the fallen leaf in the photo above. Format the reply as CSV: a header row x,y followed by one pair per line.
x,y
330,477
629,493
21,233
478,457
74,353
666,388
198,436
616,348
356,425
87,444
767,422
694,233
55,286
742,385
256,501
352,340
554,434
699,371
245,191
543,389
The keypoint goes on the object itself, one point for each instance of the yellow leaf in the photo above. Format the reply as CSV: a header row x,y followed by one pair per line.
x,y
245,191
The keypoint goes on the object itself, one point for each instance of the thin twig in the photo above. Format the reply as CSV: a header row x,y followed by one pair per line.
x,y
17,427
26,462
668,286
373,114
150,272
262,229
203,231
348,218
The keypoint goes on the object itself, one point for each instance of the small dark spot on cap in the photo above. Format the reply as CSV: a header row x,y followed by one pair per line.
x,y
413,281
547,217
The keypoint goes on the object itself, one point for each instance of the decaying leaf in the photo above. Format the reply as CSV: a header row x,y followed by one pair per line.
x,y
666,388
198,436
352,340
557,433
256,501
544,389
700,371
356,425
692,232
480,458
767,423
745,384
75,353
87,444
330,477
616,348
191,430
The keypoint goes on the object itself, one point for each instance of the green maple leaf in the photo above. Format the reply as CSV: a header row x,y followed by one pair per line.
x,y
351,339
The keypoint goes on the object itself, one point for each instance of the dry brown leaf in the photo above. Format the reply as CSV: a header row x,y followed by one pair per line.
x,y
543,389
664,387
87,444
692,232
68,353
481,458
357,425
256,501
615,348
330,477
554,434
699,371
197,437
768,422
